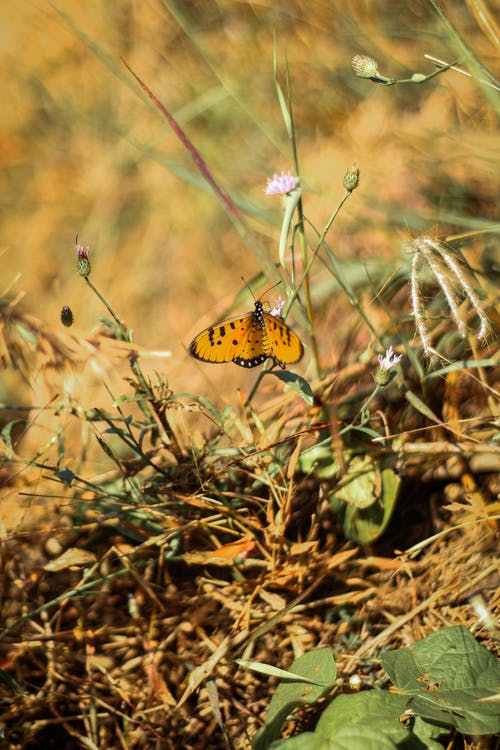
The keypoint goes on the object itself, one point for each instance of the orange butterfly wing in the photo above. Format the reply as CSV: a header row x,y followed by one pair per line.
x,y
248,341
286,347
229,340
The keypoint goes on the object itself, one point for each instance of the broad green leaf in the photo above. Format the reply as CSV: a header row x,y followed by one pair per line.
x,y
304,741
362,485
428,733
316,665
318,458
365,721
451,679
365,525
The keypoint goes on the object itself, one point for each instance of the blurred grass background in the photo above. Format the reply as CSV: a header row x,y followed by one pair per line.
x,y
82,153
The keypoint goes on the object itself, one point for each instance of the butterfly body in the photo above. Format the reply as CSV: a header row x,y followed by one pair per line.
x,y
248,340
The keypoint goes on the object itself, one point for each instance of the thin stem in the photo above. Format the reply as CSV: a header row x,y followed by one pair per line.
x,y
303,241
315,252
364,406
460,70
121,330
256,384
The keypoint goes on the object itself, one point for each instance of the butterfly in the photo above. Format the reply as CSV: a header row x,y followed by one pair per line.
x,y
248,341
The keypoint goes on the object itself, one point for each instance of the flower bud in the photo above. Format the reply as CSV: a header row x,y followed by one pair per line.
x,y
66,316
82,260
383,377
364,66
351,178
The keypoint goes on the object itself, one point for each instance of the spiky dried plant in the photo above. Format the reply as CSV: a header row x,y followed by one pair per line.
x,y
31,346
453,277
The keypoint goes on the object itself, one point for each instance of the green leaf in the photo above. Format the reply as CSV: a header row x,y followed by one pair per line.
x,y
317,665
364,525
318,458
6,433
282,674
296,383
291,201
451,679
304,741
362,485
365,721
428,734
463,364
285,113
419,405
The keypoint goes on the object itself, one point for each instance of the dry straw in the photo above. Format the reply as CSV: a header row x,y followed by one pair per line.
x,y
451,275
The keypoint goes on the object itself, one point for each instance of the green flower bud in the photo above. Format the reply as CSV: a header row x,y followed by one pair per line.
x,y
82,260
351,178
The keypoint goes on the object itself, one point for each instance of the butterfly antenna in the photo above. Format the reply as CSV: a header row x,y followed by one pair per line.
x,y
264,293
248,287
271,288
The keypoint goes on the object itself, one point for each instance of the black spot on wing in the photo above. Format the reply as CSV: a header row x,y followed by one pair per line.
x,y
250,361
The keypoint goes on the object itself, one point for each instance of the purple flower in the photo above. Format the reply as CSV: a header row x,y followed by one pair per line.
x,y
281,184
276,310
389,360
82,252
82,259
387,363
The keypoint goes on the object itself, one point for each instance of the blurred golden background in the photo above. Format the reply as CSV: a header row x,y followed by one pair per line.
x,y
117,643
83,153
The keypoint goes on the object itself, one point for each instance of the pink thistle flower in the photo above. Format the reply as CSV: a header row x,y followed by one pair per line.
x,y
387,363
389,360
82,259
281,184
278,307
